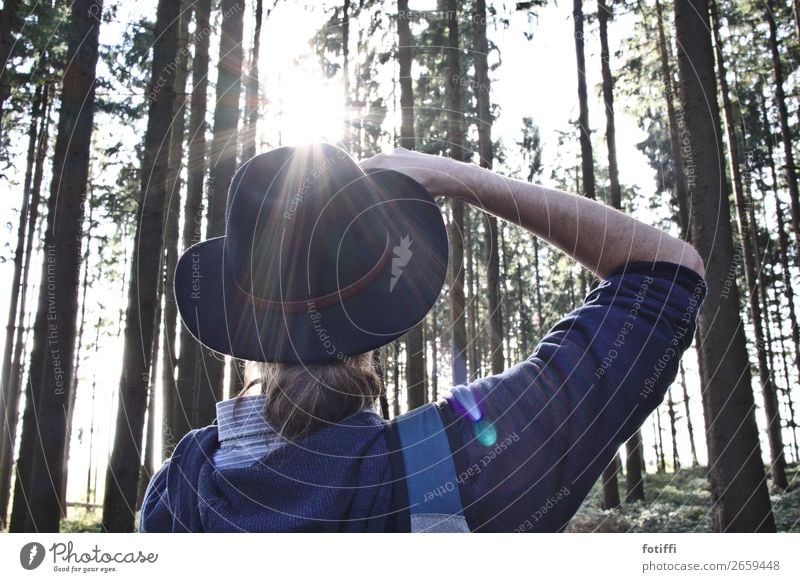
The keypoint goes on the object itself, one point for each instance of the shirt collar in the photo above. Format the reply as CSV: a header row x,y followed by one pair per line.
x,y
242,417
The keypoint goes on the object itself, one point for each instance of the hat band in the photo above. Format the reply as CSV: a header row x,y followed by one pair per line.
x,y
324,300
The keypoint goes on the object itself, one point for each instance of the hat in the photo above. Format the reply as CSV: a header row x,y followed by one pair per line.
x,y
320,260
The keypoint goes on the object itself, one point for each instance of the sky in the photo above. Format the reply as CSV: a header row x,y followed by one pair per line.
x,y
537,78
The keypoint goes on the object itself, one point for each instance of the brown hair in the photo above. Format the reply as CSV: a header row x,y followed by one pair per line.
x,y
303,398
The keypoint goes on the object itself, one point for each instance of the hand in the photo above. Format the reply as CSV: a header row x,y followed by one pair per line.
x,y
435,173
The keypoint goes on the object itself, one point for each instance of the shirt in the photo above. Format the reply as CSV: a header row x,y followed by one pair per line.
x,y
528,443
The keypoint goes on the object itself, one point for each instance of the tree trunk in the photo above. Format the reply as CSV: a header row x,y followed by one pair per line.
x,y
783,116
689,425
396,379
26,233
486,155
634,468
252,92
415,347
675,147
603,13
36,503
473,346
587,158
747,233
673,431
8,17
455,128
347,129
738,484
611,484
171,228
189,367
661,461
122,477
222,166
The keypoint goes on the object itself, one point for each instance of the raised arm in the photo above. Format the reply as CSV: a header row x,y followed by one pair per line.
x,y
598,236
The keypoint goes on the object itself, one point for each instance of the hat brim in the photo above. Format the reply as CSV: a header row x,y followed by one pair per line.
x,y
227,320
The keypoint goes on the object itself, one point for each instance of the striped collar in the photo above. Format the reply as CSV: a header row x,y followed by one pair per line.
x,y
242,417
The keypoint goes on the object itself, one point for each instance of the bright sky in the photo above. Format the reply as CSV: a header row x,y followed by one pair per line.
x,y
537,78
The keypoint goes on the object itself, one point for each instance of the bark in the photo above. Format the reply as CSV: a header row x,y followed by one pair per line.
x,y
661,461
455,129
483,87
689,424
603,13
434,357
39,478
347,129
751,261
222,167
611,484
587,158
396,379
189,367
415,346
675,148
783,116
738,483
122,477
473,343
171,228
634,468
252,98
673,431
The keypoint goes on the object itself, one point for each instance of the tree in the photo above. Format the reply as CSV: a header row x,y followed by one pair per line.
x,y
39,475
189,370
486,154
222,166
750,250
738,484
455,135
8,17
414,341
146,267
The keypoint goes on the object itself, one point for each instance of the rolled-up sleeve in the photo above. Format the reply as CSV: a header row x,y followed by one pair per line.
x,y
529,443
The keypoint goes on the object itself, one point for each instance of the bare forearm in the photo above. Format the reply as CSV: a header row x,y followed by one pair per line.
x,y
599,237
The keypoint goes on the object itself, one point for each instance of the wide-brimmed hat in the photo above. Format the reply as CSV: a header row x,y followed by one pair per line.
x,y
320,260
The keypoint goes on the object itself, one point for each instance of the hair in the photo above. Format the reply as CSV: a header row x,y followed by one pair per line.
x,y
304,398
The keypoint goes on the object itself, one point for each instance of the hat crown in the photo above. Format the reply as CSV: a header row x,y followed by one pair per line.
x,y
301,223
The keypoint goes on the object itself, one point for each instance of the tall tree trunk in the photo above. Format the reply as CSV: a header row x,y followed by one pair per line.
x,y
455,129
434,357
783,238
587,158
415,346
36,503
783,116
634,468
189,367
8,18
747,233
486,155
661,460
26,233
122,477
603,13
611,483
149,461
473,344
689,424
738,483
396,379
171,228
222,166
675,147
347,129
673,431
252,92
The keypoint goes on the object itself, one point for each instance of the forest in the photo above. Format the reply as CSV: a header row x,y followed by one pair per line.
x,y
122,124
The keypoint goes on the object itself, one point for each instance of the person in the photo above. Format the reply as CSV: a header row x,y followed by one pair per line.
x,y
325,260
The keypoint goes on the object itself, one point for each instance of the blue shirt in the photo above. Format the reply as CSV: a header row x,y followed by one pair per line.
x,y
528,444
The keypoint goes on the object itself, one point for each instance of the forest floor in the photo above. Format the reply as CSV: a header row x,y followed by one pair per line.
x,y
677,502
